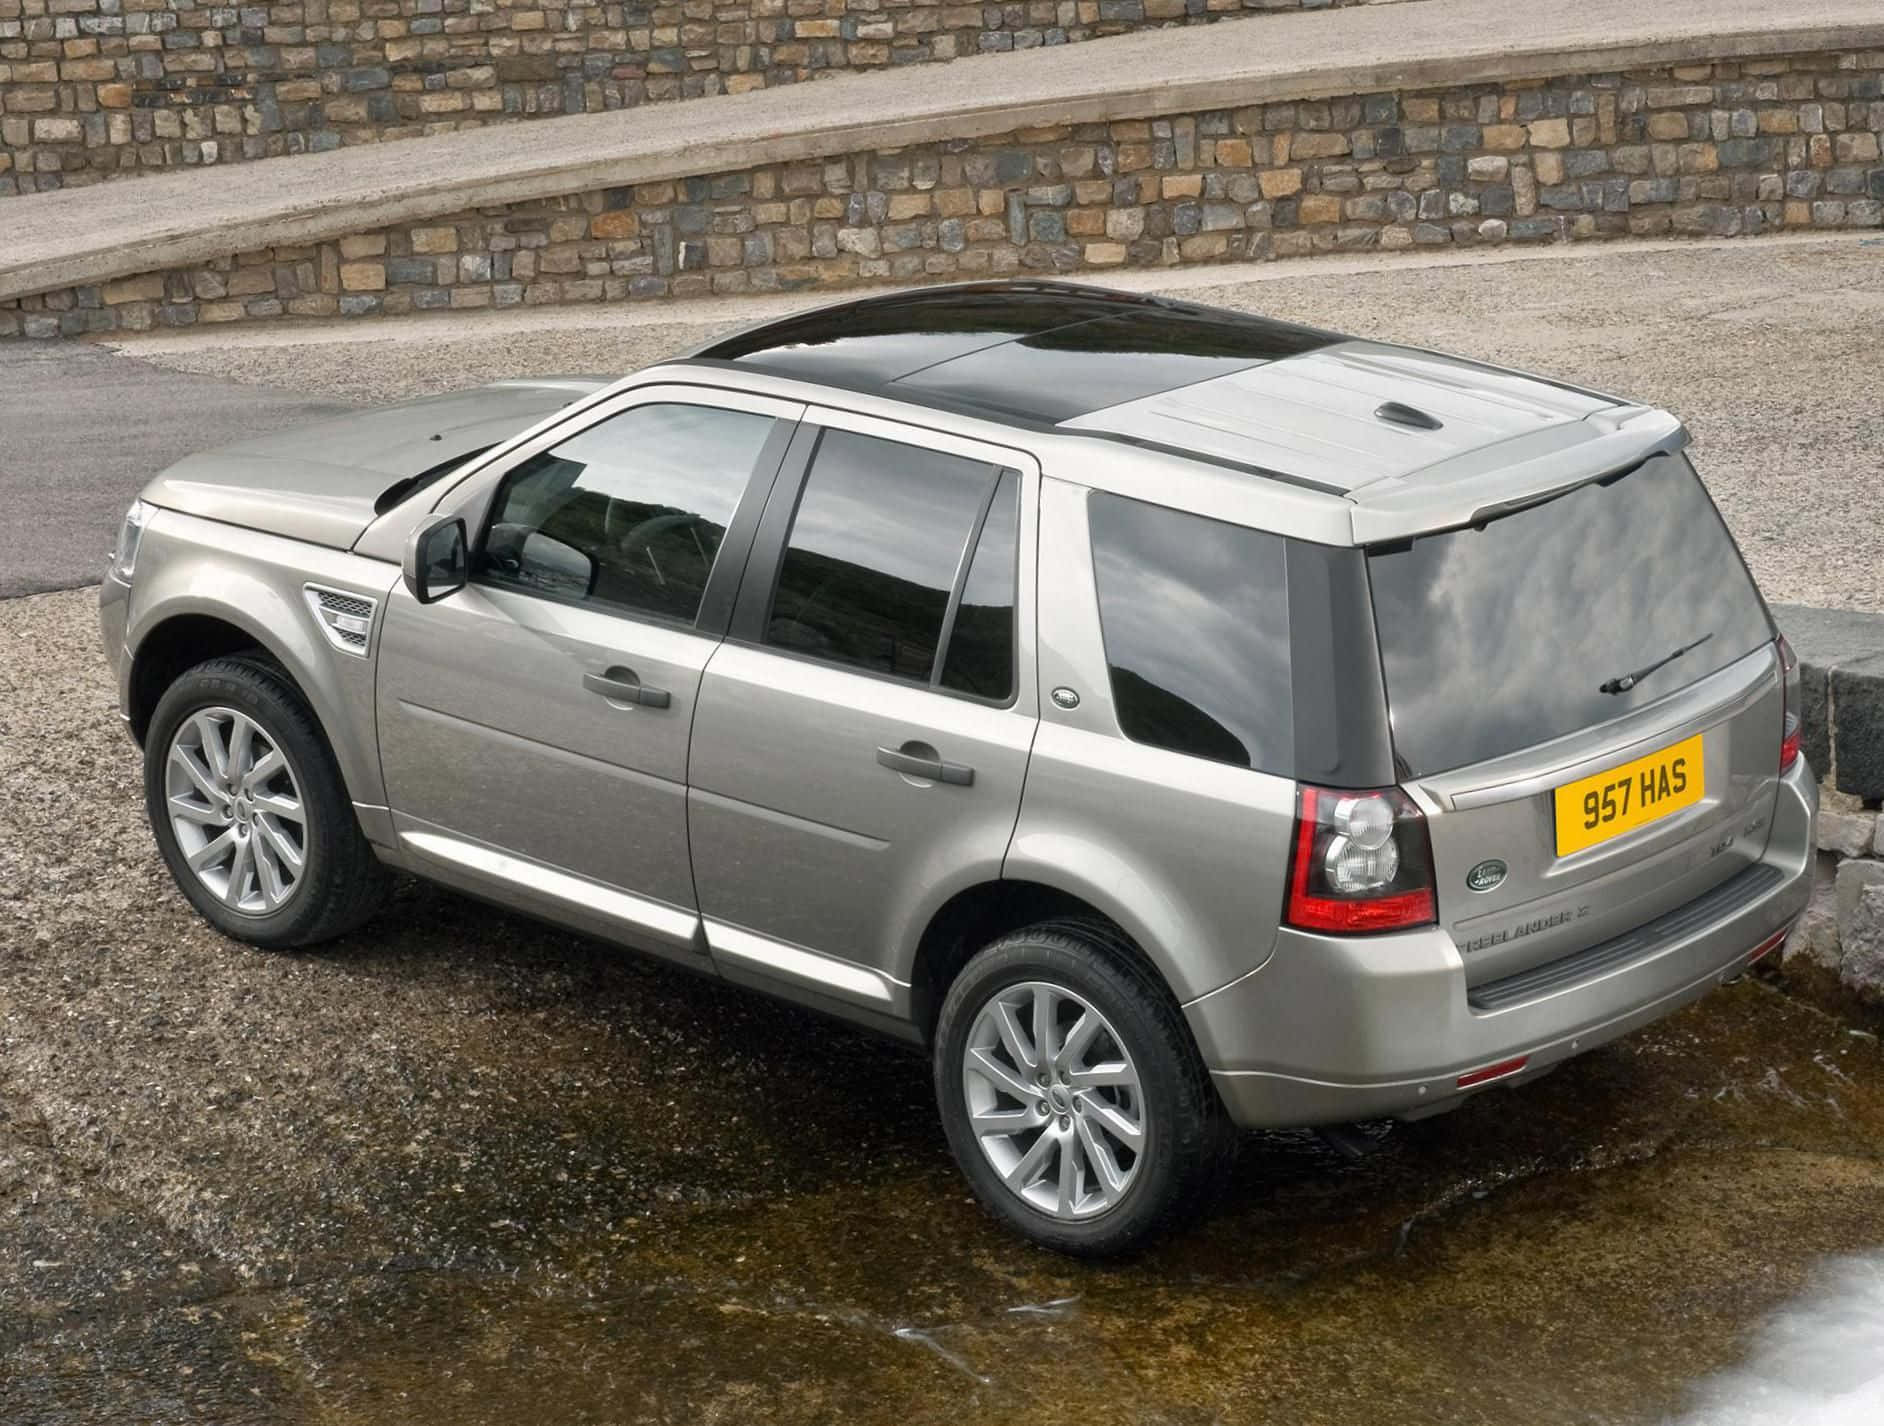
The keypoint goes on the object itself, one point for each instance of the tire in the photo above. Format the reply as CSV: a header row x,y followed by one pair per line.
x,y
339,884
1185,1139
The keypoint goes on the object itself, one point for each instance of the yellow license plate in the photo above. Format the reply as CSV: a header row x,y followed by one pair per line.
x,y
1594,809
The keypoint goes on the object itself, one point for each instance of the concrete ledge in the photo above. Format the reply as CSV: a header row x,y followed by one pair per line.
x,y
90,235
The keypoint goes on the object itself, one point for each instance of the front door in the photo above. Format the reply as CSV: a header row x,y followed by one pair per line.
x,y
862,736
533,726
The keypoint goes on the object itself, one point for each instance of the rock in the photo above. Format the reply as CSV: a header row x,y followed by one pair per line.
x,y
1862,940
1847,834
1854,877
1815,939
1858,727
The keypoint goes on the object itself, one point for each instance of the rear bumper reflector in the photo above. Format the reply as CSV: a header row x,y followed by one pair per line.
x,y
1492,1072
1769,945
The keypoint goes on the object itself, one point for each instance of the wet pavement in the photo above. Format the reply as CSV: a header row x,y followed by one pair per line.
x,y
460,1168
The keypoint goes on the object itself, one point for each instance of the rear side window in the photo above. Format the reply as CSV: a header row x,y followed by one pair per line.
x,y
901,562
1195,614
1501,637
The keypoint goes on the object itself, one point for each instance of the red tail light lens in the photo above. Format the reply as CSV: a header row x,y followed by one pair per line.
x,y
1361,862
1792,706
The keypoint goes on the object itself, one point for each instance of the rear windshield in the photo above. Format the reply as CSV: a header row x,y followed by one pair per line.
x,y
1497,638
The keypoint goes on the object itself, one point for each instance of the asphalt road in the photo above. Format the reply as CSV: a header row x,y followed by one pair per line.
x,y
81,430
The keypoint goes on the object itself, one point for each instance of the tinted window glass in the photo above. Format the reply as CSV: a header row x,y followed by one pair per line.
x,y
630,513
980,655
1500,638
874,551
1196,620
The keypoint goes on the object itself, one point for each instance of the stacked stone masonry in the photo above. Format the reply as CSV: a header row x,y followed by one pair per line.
x,y
1719,150
91,89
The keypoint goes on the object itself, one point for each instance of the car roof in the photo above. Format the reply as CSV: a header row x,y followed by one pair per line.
x,y
1404,432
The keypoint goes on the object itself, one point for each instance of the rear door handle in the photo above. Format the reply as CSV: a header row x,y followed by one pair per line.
x,y
621,686
926,764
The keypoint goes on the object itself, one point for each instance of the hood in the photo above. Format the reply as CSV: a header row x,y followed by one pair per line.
x,y
324,483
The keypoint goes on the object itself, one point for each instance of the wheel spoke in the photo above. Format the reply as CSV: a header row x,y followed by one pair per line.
x,y
1109,1118
1005,1121
240,865
276,805
241,746
266,766
1015,1038
1001,1077
1030,1164
1099,1155
211,851
1078,1038
195,812
1069,1176
215,753
1043,1025
201,778
278,842
268,876
1112,1072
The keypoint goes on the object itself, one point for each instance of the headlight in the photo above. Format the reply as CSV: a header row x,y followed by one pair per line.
x,y
130,536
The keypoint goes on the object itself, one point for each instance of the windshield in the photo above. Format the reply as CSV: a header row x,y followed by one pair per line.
x,y
1559,616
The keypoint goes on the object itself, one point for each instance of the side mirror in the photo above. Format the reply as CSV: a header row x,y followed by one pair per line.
x,y
436,564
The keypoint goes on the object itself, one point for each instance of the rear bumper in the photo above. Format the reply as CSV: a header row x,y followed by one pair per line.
x,y
1330,1031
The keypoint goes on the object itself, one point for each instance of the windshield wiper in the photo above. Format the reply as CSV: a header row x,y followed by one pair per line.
x,y
1624,682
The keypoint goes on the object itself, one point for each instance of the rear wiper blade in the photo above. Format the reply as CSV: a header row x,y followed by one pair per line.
x,y
1622,683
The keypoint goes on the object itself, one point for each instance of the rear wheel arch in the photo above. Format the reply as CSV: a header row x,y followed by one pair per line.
x,y
980,914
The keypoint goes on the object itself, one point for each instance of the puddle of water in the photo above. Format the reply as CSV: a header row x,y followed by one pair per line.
x,y
1819,1361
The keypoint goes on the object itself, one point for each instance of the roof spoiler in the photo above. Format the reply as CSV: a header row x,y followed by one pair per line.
x,y
1498,479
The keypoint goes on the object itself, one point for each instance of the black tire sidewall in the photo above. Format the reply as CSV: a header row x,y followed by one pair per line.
x,y
255,690
1160,1183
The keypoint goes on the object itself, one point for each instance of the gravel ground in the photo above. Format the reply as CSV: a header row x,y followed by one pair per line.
x,y
1769,351
462,1168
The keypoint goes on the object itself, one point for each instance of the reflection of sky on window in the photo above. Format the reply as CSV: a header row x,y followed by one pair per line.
x,y
1199,608
991,573
890,507
1496,640
692,458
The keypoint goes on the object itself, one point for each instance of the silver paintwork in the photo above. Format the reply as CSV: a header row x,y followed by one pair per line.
x,y
319,482
235,809
1054,1099
749,830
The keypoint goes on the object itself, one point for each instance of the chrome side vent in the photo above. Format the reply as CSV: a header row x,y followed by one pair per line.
x,y
346,619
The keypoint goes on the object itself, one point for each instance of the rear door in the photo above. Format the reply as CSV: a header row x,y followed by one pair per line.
x,y
1586,700
863,733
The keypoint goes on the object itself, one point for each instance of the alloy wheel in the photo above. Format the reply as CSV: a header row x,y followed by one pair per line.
x,y
1054,1100
236,810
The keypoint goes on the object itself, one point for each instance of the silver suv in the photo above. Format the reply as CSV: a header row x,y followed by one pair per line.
x,y
1173,720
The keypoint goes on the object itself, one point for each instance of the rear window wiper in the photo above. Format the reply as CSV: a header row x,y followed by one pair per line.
x,y
1622,683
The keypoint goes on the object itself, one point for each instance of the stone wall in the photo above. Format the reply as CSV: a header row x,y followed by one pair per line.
x,y
1712,150
91,89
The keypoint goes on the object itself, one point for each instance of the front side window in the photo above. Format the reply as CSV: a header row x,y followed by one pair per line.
x,y
1195,616
628,514
901,561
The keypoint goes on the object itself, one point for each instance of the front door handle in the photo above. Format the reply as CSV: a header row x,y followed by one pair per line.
x,y
621,686
921,760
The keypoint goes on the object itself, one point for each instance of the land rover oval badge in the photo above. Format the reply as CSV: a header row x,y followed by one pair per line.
x,y
1486,876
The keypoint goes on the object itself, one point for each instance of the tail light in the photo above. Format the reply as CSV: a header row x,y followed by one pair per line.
x,y
1361,862
1792,706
